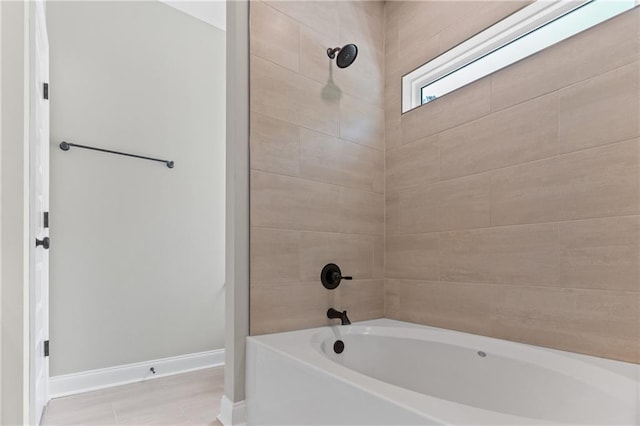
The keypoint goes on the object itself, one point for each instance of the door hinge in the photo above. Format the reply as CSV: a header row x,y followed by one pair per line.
x,y
45,220
46,348
45,90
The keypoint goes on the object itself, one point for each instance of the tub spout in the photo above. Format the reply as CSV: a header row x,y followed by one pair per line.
x,y
333,314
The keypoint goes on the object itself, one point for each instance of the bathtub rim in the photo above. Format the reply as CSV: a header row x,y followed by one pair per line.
x,y
288,344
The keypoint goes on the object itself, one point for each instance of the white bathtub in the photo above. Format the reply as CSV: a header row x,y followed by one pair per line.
x,y
396,373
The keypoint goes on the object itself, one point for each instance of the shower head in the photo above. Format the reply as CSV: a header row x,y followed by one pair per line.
x,y
346,54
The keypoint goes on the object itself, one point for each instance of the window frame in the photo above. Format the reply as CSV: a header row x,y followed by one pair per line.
x,y
519,24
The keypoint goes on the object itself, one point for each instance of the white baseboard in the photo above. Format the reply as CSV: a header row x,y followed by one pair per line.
x,y
232,413
70,384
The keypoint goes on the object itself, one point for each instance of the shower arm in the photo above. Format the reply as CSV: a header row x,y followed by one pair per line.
x,y
331,52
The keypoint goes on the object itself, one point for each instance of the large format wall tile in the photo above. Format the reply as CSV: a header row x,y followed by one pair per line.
x,y
314,62
461,203
516,135
317,182
361,212
601,253
319,15
594,322
419,42
417,210
329,159
279,255
413,164
283,94
412,256
278,307
275,255
477,16
275,36
597,182
353,253
465,202
601,110
361,122
508,207
292,203
464,307
511,255
360,22
362,299
274,145
525,186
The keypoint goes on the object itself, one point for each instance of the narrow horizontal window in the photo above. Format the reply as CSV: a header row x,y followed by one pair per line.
x,y
522,34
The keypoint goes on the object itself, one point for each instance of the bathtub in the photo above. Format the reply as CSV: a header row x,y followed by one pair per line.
x,y
396,373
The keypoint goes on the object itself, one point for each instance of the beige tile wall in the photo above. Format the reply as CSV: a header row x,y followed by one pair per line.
x,y
511,205
317,162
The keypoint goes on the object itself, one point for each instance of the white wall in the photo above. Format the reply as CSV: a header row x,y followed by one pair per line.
x,y
137,254
210,11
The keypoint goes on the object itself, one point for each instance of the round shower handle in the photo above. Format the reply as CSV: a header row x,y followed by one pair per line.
x,y
331,276
45,243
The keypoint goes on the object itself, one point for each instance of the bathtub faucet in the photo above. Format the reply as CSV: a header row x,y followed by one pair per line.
x,y
333,314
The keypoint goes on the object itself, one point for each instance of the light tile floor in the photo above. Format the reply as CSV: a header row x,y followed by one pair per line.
x,y
184,399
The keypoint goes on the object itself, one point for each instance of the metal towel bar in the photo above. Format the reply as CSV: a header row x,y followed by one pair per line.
x,y
66,146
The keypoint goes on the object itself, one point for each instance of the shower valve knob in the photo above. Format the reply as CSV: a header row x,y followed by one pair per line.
x,y
331,276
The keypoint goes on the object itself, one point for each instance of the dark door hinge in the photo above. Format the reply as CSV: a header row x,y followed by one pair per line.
x,y
45,90
46,348
46,220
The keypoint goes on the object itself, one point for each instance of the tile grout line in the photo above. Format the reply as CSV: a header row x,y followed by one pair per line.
x,y
417,281
496,227
305,179
511,166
